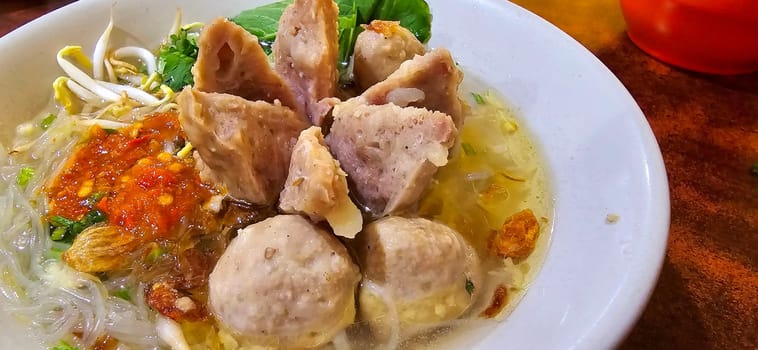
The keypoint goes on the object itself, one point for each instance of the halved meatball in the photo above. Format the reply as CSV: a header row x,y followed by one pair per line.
x,y
284,282
390,153
230,61
245,146
417,273
430,81
305,53
316,186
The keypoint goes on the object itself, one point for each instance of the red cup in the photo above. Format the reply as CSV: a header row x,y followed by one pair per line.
x,y
710,36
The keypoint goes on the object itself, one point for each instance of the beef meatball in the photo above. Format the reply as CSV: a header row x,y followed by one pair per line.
x,y
284,282
380,49
417,273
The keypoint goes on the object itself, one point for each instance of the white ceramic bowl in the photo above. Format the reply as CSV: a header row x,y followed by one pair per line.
x,y
601,154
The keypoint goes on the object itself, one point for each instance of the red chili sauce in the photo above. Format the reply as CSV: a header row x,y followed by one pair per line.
x,y
126,174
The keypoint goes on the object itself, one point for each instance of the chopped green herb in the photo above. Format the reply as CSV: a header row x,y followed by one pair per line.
x,y
176,58
123,294
45,123
64,346
58,233
469,286
24,175
155,253
65,229
754,169
478,98
92,200
93,217
60,221
468,149
110,131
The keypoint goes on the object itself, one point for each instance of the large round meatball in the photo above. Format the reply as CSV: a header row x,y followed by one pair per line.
x,y
284,282
380,49
417,273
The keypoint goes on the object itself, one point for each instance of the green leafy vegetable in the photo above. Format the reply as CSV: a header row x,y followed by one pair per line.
x,y
65,229
45,123
110,131
479,99
348,30
176,58
263,22
468,149
64,346
469,286
414,15
365,9
24,175
754,169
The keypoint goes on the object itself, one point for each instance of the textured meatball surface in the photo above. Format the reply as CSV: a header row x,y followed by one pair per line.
x,y
416,272
284,282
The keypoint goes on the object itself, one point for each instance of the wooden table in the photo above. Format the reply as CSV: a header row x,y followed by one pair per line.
x,y
707,127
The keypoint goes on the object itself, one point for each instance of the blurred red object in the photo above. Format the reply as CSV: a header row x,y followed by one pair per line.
x,y
710,36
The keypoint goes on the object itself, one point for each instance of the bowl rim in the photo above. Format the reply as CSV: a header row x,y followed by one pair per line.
x,y
623,312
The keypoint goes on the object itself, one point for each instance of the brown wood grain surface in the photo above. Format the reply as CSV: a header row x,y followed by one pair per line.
x,y
707,127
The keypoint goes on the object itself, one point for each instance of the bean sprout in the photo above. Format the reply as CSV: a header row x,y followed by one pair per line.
x,y
170,332
133,93
177,23
82,78
111,73
145,56
101,47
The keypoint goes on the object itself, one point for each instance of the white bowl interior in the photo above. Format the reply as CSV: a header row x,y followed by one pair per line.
x,y
602,155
